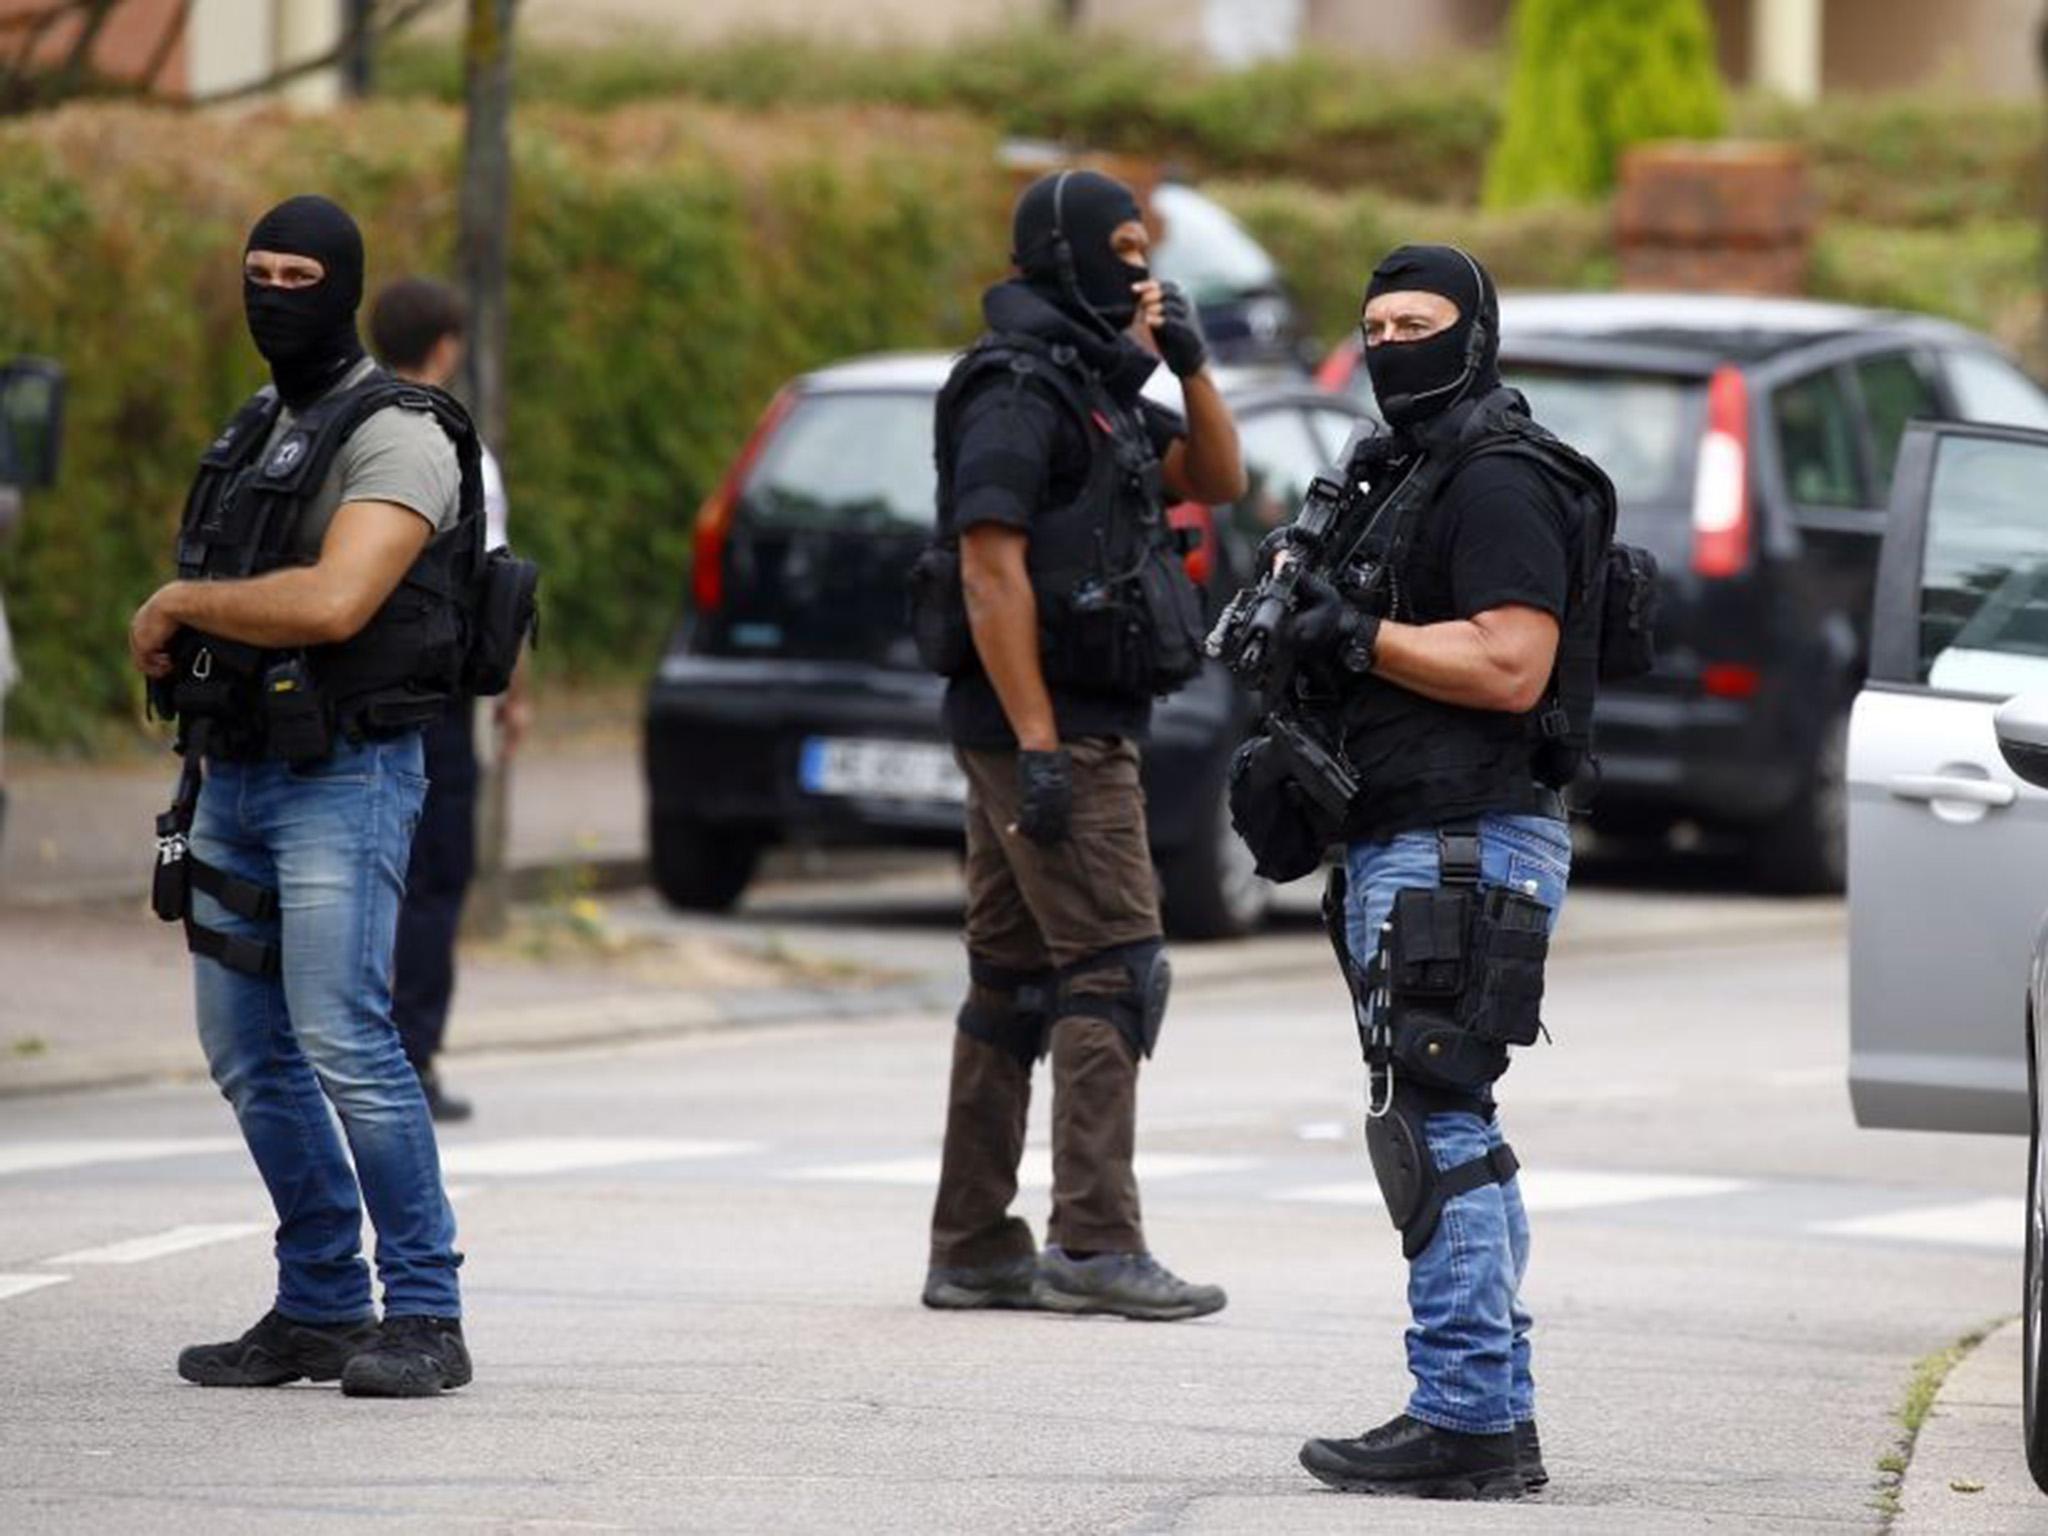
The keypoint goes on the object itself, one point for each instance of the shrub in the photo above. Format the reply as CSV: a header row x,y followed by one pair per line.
x,y
1592,77
672,266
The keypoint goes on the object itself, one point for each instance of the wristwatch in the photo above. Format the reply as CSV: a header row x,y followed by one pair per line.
x,y
1357,654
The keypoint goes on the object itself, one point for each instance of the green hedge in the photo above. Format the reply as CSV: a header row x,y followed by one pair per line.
x,y
673,265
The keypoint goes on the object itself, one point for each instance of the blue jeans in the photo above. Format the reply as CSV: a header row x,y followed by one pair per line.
x,y
1468,1341
333,840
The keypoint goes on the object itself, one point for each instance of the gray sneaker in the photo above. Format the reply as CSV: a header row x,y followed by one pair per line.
x,y
1007,1285
1125,1284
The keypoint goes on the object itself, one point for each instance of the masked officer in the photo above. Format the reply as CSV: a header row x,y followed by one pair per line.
x,y
1446,671
310,636
1077,612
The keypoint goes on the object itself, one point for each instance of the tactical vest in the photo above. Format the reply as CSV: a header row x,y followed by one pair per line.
x,y
1450,760
241,519
1118,614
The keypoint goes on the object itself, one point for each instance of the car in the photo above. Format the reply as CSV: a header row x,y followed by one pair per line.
x,y
1246,310
1752,442
790,707
1948,820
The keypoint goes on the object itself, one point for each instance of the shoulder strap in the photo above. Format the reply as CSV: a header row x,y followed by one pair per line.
x,y
1025,360
244,433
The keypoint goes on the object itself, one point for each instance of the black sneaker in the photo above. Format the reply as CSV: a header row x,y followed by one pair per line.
x,y
275,1351
1529,1456
444,1107
412,1357
1406,1456
1001,1286
1132,1285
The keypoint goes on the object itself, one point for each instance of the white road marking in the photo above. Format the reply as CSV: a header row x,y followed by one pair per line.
x,y
1036,1172
530,1156
43,1156
1553,1189
1323,1130
158,1245
21,1285
1991,1223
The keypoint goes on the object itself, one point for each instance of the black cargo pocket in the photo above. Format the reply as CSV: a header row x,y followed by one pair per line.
x,y
1428,949
1173,613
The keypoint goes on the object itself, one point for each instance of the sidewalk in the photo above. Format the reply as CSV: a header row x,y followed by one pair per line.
x,y
1968,1476
86,833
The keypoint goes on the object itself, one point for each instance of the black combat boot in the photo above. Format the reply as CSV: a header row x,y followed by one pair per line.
x,y
275,1351
1406,1456
1529,1456
411,1357
443,1107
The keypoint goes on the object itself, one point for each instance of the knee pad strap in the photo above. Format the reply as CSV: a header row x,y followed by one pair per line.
x,y
1137,1005
1415,1192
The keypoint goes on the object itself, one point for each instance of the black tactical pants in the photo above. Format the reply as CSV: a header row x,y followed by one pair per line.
x,y
436,880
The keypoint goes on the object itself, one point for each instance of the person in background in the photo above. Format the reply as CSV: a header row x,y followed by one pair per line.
x,y
417,327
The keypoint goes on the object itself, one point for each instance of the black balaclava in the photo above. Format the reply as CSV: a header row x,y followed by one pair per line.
x,y
1087,279
1417,380
307,335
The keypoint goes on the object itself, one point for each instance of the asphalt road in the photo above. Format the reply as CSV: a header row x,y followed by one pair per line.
x,y
693,1271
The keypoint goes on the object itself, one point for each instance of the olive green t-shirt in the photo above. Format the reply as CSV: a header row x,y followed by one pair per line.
x,y
397,455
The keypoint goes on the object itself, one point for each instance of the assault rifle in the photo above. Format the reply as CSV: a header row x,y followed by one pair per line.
x,y
1249,635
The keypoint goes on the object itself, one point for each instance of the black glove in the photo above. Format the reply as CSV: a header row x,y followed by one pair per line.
x,y
1178,334
1045,799
1323,624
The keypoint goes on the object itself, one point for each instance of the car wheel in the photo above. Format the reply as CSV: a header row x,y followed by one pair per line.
x,y
2034,1326
1211,889
1804,850
698,867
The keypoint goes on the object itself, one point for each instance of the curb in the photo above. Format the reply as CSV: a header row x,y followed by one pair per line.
x,y
1968,1475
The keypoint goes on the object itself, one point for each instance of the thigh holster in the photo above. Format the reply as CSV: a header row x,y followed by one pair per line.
x,y
1127,986
1009,1009
178,872
1415,1190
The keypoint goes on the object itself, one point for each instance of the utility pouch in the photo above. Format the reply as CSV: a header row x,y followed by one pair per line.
x,y
170,885
1429,948
938,612
507,615
1510,942
295,724
1173,614
1628,613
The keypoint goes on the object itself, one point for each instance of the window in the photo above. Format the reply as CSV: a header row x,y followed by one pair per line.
x,y
851,461
1990,389
1280,458
1642,428
1334,430
1817,442
1895,390
1984,575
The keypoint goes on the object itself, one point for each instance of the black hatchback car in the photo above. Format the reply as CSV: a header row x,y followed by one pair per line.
x,y
1752,442
790,706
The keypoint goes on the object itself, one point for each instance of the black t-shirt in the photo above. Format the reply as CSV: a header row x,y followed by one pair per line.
x,y
1499,532
1019,453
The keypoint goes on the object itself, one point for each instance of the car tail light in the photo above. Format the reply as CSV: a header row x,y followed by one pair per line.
x,y
1200,560
1335,373
1729,680
714,518
1720,496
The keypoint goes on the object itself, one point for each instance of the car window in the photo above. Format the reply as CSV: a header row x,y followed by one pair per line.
x,y
1984,574
1990,389
1280,458
1333,429
854,461
1642,428
1895,390
1205,250
1817,442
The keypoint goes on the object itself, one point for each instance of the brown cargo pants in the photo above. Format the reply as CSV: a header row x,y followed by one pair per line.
x,y
1039,910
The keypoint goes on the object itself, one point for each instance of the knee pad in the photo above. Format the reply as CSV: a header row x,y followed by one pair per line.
x,y
1415,1192
1009,1009
1135,1003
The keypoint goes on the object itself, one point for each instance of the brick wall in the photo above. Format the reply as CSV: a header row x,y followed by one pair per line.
x,y
1720,218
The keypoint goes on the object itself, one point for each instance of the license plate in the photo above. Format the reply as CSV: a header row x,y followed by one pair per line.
x,y
885,770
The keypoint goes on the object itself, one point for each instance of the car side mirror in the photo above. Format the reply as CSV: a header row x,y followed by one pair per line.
x,y
2022,727
31,422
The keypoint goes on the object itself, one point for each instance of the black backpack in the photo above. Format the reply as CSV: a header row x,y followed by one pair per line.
x,y
1609,629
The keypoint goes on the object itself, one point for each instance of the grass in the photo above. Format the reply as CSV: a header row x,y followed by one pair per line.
x,y
1922,1388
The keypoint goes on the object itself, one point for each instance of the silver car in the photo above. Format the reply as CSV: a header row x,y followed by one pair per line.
x,y
1948,817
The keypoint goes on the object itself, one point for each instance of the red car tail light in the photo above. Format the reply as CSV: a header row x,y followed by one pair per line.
x,y
714,518
1729,680
1720,498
